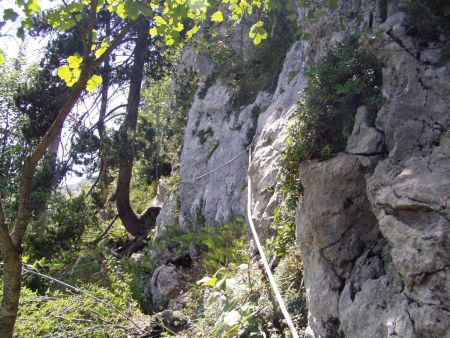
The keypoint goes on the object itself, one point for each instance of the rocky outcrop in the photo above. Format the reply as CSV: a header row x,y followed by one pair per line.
x,y
365,139
373,224
375,231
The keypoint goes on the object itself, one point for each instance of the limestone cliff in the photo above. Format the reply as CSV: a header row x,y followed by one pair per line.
x,y
373,223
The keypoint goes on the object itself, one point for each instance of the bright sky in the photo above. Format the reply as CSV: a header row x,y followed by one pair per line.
x,y
10,43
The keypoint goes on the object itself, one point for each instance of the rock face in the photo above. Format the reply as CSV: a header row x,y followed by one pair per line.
x,y
365,140
375,231
373,224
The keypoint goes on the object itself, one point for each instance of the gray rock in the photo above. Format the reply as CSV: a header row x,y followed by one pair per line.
x,y
334,212
374,232
169,213
270,137
214,136
167,282
365,140
393,279
334,225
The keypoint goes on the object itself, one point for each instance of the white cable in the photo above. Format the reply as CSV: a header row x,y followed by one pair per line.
x,y
209,173
263,256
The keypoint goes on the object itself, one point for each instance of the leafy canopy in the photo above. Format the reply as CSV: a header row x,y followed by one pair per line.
x,y
174,20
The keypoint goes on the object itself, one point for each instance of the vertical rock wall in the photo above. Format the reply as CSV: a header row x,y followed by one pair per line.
x,y
373,224
375,230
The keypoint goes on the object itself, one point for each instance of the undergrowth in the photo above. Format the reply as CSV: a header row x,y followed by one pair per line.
x,y
61,312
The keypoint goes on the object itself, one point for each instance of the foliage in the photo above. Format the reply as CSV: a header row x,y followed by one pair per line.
x,y
12,144
345,79
283,232
237,300
60,313
215,239
68,219
249,72
222,246
430,18
289,278
230,310
164,112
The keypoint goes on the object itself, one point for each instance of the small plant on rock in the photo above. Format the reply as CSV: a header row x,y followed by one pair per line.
x,y
345,79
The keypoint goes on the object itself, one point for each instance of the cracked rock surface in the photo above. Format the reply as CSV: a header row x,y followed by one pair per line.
x,y
375,230
373,224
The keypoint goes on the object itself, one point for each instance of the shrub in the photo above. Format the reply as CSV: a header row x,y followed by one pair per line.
x,y
283,228
222,246
66,314
257,70
68,219
429,18
345,79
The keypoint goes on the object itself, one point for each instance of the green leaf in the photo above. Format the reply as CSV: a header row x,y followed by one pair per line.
x,y
222,284
65,74
169,41
144,9
102,49
93,83
332,4
258,33
10,14
2,57
217,17
153,31
179,27
33,7
75,61
160,21
192,31
207,281
20,33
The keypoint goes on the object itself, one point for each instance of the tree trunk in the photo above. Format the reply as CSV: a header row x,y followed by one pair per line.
x,y
11,244
42,218
132,221
11,280
104,156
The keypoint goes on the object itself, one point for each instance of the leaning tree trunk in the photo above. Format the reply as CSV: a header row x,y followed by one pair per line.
x,y
104,154
11,242
135,224
42,218
12,278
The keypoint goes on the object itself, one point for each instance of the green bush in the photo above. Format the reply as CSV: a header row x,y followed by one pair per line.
x,y
345,79
69,218
237,299
67,314
222,246
283,228
429,18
